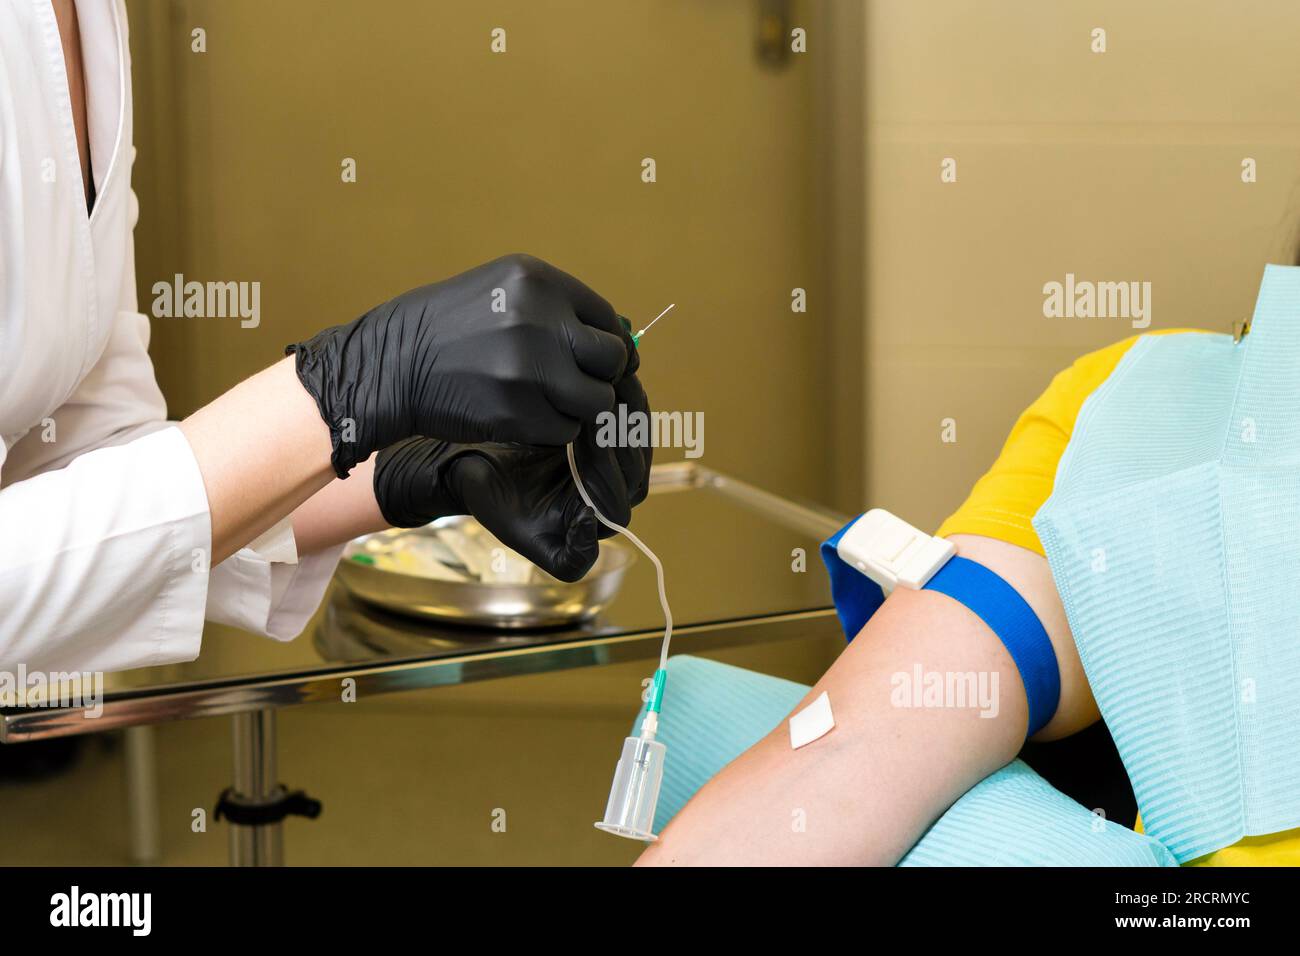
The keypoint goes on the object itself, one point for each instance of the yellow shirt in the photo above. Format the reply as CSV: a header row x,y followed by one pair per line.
x,y
1003,501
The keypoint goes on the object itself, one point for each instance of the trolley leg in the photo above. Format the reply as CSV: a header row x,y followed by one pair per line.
x,y
142,794
255,784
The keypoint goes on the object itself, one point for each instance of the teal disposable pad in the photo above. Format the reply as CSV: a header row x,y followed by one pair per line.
x,y
1173,534
1016,818
714,712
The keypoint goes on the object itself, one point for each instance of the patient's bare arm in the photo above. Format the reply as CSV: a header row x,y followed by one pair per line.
x,y
866,792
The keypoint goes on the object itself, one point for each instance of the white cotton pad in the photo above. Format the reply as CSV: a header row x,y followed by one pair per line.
x,y
812,722
469,551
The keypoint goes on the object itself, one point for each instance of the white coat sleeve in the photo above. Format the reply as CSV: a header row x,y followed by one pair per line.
x,y
101,560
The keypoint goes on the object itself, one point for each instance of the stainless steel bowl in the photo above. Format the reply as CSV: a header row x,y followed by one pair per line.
x,y
543,601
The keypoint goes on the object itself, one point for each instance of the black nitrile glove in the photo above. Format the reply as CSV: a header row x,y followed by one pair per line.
x,y
617,475
524,496
511,351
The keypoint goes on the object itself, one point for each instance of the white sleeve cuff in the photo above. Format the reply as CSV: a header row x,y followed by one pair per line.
x,y
267,589
277,544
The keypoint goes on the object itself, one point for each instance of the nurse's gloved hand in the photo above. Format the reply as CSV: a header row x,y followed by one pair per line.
x,y
511,351
524,496
616,474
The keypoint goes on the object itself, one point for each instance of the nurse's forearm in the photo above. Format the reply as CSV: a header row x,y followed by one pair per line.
x,y
263,450
339,512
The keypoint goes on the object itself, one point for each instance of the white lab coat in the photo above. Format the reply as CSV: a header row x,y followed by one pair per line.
x,y
104,522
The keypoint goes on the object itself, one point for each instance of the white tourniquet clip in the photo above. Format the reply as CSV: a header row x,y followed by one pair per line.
x,y
891,552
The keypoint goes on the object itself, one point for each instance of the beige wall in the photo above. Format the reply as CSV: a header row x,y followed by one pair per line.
x,y
464,155
1117,166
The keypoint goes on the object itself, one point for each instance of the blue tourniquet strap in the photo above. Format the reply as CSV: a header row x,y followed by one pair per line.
x,y
1010,617
987,595
856,596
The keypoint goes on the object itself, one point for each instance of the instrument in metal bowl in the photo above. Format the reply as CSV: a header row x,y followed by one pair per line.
x,y
455,571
